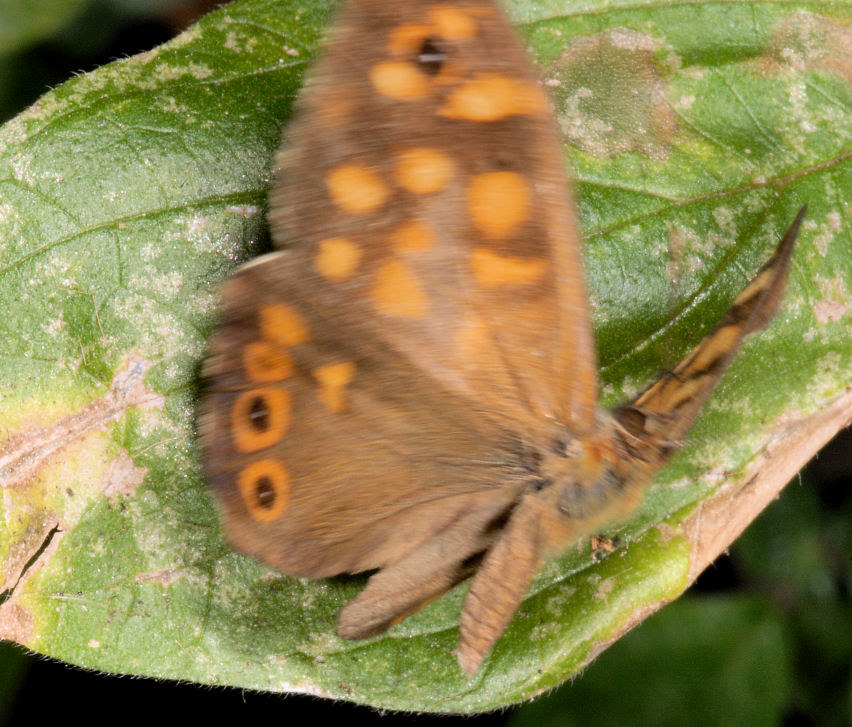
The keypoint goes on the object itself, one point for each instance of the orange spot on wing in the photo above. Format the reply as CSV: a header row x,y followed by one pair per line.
x,y
337,258
399,80
452,23
492,269
397,291
264,362
412,236
498,202
265,488
356,188
282,324
424,170
259,418
491,97
333,380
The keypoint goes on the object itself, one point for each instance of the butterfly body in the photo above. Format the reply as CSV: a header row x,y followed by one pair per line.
x,y
408,385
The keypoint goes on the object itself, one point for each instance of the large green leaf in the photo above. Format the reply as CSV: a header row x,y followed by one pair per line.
x,y
695,132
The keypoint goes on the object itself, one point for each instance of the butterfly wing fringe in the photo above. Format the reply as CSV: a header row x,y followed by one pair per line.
x,y
661,415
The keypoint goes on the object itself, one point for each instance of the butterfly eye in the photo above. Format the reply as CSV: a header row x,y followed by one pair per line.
x,y
431,56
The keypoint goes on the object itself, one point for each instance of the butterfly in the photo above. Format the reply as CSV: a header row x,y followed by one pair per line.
x,y
408,384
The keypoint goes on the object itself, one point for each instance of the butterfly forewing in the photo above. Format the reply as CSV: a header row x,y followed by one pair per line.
x,y
423,190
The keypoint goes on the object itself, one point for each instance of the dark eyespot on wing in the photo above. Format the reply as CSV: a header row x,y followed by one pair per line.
x,y
431,56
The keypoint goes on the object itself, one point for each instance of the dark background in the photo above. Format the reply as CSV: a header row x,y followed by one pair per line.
x,y
784,593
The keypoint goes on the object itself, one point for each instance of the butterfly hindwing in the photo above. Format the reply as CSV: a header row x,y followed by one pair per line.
x,y
318,444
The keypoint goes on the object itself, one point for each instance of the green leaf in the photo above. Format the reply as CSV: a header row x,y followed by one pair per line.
x,y
127,195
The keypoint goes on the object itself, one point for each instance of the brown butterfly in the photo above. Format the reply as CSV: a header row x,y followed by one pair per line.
x,y
409,385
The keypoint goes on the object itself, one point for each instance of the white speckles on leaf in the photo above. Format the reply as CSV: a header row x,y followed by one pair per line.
x,y
196,225
165,72
826,232
20,165
243,210
239,42
726,221
611,97
685,102
806,40
170,105
834,302
604,587
53,326
827,311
